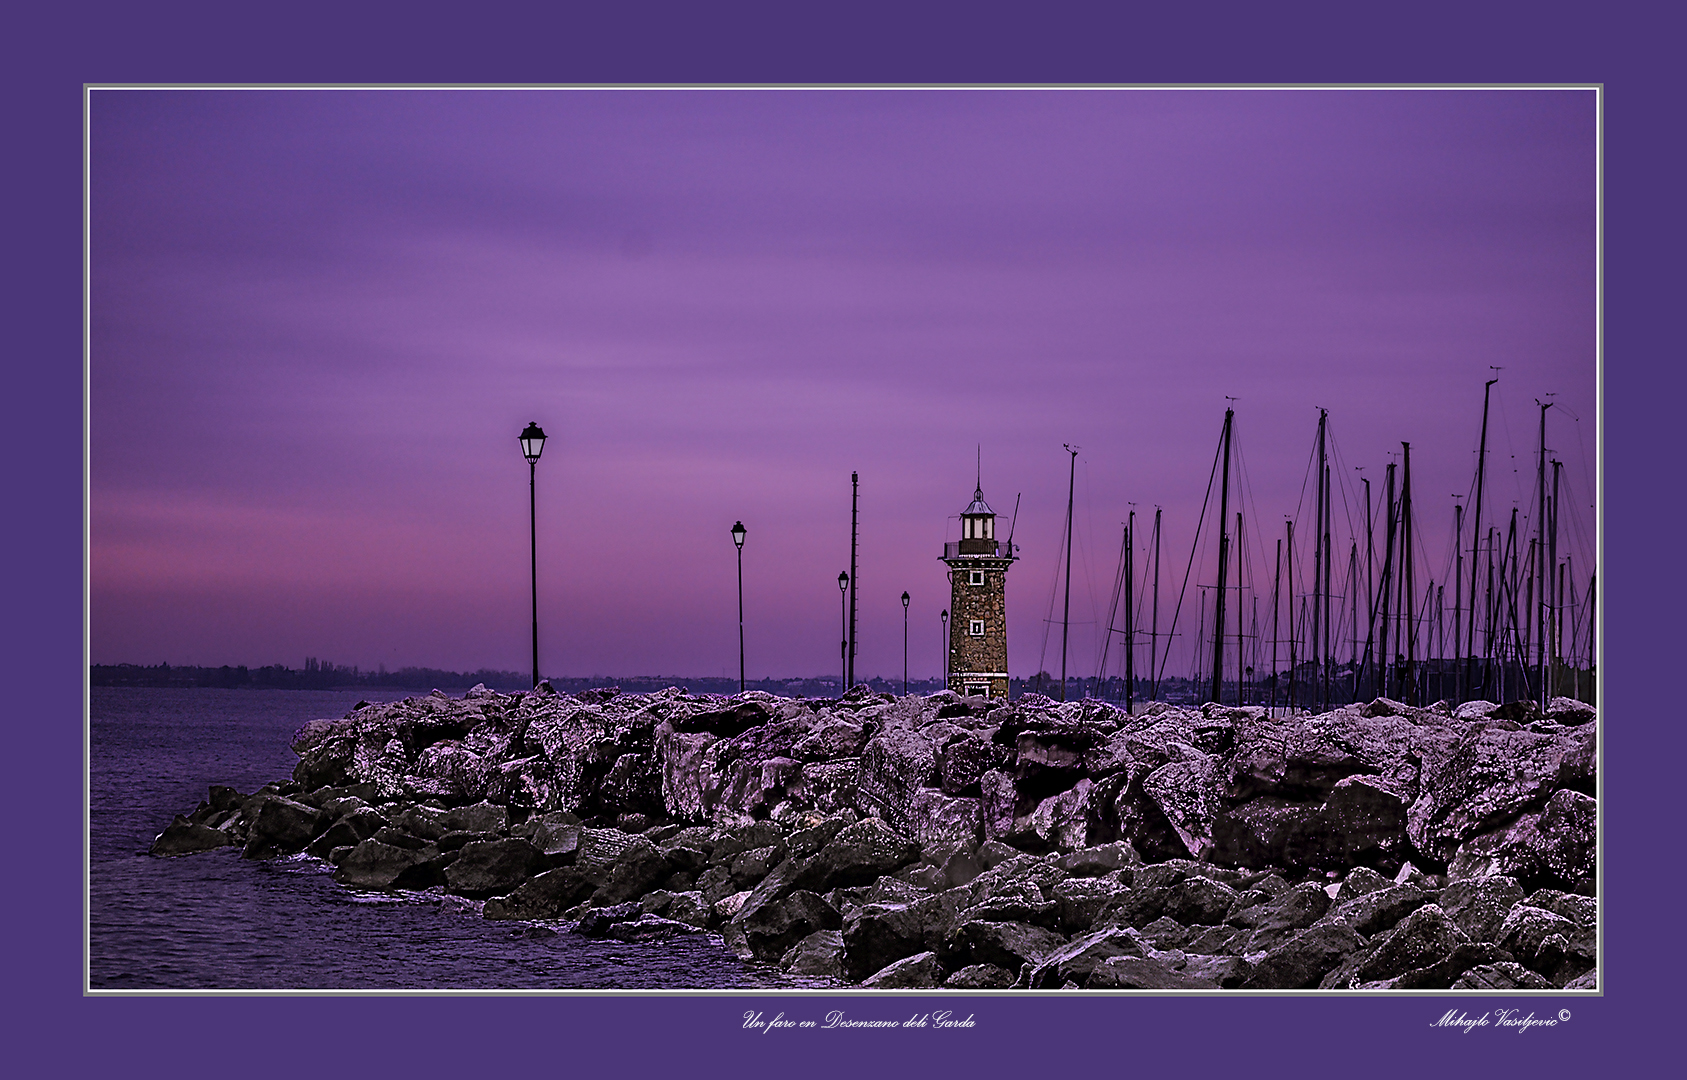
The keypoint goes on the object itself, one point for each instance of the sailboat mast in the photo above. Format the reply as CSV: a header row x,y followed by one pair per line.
x,y
1319,557
1458,601
1291,695
1409,684
1276,588
1223,561
1540,562
1130,612
1154,632
1066,614
1476,521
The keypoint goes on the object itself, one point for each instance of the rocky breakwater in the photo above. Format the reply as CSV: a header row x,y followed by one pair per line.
x,y
972,843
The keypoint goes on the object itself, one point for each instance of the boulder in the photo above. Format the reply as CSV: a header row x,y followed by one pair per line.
x,y
933,816
921,971
1080,900
749,867
819,955
1304,959
1527,928
1557,846
980,977
543,896
857,855
1261,832
1198,900
1500,976
353,828
493,867
1422,939
807,841
1581,910
597,922
962,763
1062,821
1359,881
1098,860
480,817
1228,972
1375,912
598,850
282,827
770,930
1004,944
1189,794
1493,776
876,935
1478,906
372,864
1140,973
896,763
1074,961
685,773
184,837
638,869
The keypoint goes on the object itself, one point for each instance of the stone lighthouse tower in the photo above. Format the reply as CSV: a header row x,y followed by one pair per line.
x,y
978,633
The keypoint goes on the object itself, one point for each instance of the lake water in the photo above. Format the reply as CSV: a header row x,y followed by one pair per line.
x,y
214,920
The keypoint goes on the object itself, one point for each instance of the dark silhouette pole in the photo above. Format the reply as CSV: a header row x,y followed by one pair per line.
x,y
738,532
532,445
945,617
843,623
854,535
905,599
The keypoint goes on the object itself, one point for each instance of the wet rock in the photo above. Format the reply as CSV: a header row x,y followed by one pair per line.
x,y
1277,919
857,855
372,864
876,935
1198,900
1376,912
1304,959
597,922
771,929
493,867
353,828
598,850
1228,972
1098,860
1189,793
480,817
896,764
637,870
805,842
183,837
1359,881
544,896
914,972
1421,940
1062,821
282,827
980,977
1479,906
1140,973
1500,976
962,763
1261,832
1586,981
1526,928
819,955
749,867
1492,776
961,868
1581,910
646,927
1004,944
1074,961
421,821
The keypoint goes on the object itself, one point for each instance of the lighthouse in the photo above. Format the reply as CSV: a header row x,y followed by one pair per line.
x,y
978,633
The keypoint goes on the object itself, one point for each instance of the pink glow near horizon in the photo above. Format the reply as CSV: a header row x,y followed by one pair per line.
x,y
320,319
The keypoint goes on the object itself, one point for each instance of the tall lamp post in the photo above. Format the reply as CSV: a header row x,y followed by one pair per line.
x,y
904,644
738,532
532,445
843,621
945,618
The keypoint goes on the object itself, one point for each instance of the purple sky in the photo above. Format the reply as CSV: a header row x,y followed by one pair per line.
x,y
320,319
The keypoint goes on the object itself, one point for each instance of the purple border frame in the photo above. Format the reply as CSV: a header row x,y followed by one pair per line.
x,y
776,42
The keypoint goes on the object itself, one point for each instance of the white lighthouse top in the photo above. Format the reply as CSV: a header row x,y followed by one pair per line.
x,y
978,505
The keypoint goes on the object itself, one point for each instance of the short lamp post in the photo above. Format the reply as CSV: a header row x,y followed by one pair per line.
x,y
843,622
738,532
532,445
904,644
945,618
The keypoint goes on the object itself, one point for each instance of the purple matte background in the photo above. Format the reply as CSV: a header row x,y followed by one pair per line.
x,y
556,1036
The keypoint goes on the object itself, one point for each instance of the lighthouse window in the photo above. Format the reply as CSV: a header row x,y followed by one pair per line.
x,y
975,577
976,628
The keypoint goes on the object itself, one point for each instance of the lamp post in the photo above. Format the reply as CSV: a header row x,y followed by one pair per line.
x,y
738,532
945,618
532,445
904,644
843,621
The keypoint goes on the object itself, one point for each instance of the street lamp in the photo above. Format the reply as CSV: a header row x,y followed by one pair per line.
x,y
532,445
843,621
904,644
945,618
738,532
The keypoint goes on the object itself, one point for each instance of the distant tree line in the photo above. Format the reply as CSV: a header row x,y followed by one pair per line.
x,y
315,675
